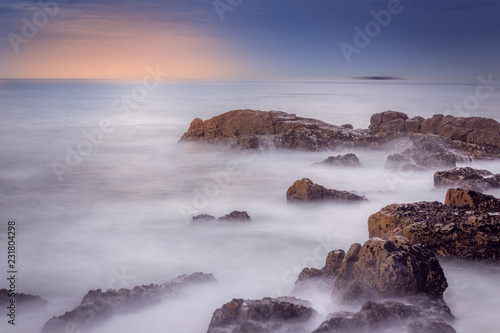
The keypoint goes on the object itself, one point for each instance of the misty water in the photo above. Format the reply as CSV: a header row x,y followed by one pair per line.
x,y
120,217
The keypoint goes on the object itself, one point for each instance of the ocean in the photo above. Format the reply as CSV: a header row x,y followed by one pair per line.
x,y
102,193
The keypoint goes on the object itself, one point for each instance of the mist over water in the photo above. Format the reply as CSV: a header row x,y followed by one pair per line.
x,y
120,218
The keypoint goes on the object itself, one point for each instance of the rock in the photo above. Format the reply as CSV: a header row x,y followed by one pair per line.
x,y
98,306
235,216
426,152
390,316
467,178
347,161
305,190
23,301
260,316
250,129
203,218
467,226
472,200
348,126
473,130
389,268
325,276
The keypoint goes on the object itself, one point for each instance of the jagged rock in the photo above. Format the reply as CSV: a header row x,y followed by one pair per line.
x,y
474,130
347,161
391,316
466,226
326,276
24,301
98,306
348,126
236,216
305,190
261,316
467,178
426,152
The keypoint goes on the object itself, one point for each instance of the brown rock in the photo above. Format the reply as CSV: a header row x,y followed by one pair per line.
x,y
236,216
347,161
305,190
467,226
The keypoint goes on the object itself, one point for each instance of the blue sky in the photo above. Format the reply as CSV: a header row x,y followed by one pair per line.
x,y
257,39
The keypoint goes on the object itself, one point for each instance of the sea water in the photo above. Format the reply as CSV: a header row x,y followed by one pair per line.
x,y
116,214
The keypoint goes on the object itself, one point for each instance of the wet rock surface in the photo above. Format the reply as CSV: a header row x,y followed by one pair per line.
x,y
346,161
467,178
286,314
98,306
467,226
391,316
305,190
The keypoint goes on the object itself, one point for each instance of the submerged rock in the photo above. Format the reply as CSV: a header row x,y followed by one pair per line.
x,y
305,190
467,178
22,301
98,306
391,316
261,316
466,226
426,152
347,161
234,216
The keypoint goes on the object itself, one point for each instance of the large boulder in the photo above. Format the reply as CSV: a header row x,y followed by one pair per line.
x,y
98,306
261,316
254,129
346,161
305,190
467,178
381,269
390,316
466,226
473,130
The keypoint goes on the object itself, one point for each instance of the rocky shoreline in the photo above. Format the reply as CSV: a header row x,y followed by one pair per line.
x,y
395,277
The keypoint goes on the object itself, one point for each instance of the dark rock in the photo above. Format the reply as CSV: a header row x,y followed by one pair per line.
x,y
467,178
389,268
98,306
306,190
426,152
265,315
390,316
236,216
23,301
347,161
348,126
203,218
467,226
325,276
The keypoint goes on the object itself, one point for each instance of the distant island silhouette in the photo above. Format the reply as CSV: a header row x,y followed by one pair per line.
x,y
381,77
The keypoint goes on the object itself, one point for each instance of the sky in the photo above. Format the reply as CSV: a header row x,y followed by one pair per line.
x,y
250,39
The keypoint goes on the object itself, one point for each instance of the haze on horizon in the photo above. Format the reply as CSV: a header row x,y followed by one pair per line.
x,y
258,39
